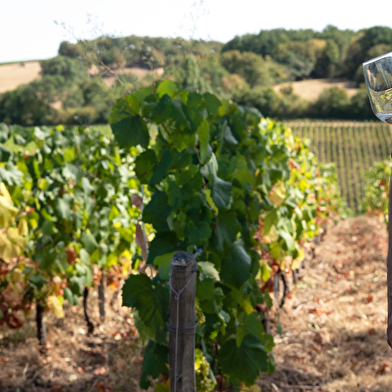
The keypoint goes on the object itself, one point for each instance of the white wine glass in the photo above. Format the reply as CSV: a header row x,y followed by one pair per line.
x,y
378,78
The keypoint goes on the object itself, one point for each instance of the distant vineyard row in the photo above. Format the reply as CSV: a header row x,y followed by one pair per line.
x,y
352,146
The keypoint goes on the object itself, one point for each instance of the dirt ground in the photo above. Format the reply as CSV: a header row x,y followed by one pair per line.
x,y
311,89
333,331
334,327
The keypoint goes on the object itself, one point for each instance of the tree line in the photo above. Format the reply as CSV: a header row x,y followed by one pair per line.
x,y
72,89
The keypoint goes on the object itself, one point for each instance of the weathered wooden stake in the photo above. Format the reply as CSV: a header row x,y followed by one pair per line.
x,y
90,325
182,322
41,328
101,298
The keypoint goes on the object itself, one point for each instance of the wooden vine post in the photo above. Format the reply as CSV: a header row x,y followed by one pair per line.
x,y
101,298
41,328
182,322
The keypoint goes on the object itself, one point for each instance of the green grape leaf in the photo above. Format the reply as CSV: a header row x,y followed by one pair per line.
x,y
89,242
243,363
220,191
288,239
163,243
163,264
124,108
235,269
212,103
142,93
144,165
205,289
227,134
161,168
252,325
166,87
155,363
71,171
37,279
70,297
197,232
226,229
208,270
151,302
157,211
131,132
63,207
179,113
204,140
87,187
270,220
4,133
76,284
10,174
4,154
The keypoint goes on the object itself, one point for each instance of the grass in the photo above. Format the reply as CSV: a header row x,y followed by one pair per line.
x,y
352,146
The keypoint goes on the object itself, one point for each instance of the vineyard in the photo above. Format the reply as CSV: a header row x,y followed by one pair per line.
x,y
353,146
183,171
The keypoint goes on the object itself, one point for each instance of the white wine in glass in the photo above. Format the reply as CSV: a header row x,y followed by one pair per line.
x,y
378,78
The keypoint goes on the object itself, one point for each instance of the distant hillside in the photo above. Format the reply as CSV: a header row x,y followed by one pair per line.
x,y
285,74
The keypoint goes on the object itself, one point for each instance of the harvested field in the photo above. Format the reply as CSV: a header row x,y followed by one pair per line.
x,y
14,75
311,89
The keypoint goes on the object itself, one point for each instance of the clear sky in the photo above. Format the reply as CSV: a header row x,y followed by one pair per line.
x,y
28,30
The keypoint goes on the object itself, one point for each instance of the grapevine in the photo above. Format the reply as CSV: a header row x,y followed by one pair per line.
x,y
76,192
240,189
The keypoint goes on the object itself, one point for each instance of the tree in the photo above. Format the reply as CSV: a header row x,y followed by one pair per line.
x,y
298,57
361,48
332,103
193,80
248,65
327,60
67,67
31,104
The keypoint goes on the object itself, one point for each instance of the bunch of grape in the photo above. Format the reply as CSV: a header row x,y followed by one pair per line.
x,y
203,383
200,318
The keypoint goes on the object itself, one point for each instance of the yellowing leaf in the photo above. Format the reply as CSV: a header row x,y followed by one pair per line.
x,y
295,264
264,272
17,275
7,210
55,306
23,228
277,193
272,236
209,200
247,305
11,244
301,255
4,192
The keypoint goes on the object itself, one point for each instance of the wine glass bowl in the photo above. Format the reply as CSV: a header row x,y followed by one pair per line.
x,y
378,78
